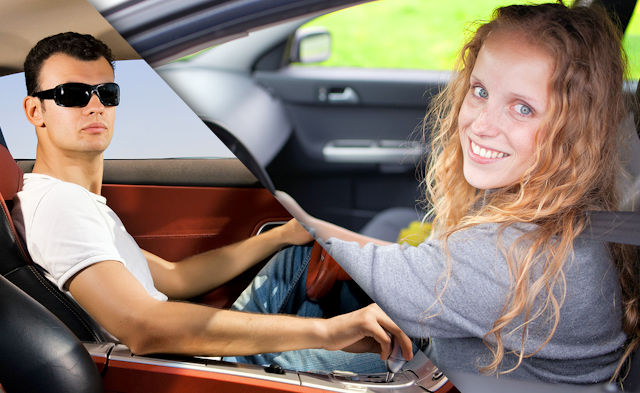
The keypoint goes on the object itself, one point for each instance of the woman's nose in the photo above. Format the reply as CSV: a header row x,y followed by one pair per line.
x,y
486,123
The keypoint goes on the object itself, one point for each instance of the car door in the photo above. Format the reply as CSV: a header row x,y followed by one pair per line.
x,y
357,123
356,138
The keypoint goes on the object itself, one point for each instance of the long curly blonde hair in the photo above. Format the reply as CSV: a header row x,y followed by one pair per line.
x,y
575,169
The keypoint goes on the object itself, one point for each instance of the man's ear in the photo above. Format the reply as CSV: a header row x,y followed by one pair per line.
x,y
33,110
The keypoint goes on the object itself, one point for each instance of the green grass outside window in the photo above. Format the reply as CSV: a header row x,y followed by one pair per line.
x,y
420,34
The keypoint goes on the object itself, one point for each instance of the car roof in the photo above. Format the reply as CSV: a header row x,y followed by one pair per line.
x,y
18,35
165,31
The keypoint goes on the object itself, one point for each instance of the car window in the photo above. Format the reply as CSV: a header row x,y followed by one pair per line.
x,y
418,34
631,43
151,120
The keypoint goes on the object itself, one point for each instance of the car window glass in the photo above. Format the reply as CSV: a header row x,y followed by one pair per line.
x,y
417,34
151,120
631,44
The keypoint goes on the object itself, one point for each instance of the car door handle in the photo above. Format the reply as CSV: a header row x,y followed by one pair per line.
x,y
344,95
368,151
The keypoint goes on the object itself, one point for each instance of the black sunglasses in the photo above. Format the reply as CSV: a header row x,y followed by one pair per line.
x,y
79,94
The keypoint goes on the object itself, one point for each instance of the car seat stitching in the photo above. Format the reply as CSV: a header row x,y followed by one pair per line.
x,y
64,303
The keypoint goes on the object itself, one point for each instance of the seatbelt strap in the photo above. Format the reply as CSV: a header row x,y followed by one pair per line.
x,y
614,226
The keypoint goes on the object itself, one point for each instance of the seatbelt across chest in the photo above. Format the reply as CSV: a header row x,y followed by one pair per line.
x,y
614,226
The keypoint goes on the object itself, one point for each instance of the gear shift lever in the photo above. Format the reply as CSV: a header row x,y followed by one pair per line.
x,y
395,361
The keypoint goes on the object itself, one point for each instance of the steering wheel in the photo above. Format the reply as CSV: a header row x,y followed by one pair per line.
x,y
322,273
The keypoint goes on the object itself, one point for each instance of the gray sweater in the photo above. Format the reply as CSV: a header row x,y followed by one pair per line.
x,y
402,280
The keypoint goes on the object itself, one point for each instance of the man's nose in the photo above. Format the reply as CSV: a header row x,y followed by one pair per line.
x,y
94,105
487,123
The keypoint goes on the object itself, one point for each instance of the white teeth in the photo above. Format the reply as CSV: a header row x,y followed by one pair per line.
x,y
482,152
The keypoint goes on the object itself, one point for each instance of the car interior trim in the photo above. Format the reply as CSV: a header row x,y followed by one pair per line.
x,y
221,172
123,354
373,151
264,132
160,33
336,381
269,225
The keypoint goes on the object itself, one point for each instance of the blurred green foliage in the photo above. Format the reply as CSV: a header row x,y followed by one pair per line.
x,y
419,34
631,44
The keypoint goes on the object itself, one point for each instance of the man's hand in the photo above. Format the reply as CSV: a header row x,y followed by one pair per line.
x,y
366,330
293,233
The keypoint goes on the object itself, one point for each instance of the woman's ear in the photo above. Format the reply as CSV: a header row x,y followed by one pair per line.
x,y
34,111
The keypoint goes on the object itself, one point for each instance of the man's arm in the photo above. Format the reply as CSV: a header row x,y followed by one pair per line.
x,y
117,301
200,273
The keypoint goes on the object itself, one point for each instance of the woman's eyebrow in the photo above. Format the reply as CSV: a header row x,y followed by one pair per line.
x,y
529,100
474,78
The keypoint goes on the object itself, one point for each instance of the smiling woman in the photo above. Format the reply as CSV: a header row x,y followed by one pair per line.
x,y
523,143
569,166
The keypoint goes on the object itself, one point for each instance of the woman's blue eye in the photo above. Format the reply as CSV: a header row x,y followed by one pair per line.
x,y
523,109
480,91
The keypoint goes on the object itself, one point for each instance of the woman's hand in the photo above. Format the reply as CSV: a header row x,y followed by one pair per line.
x,y
366,330
293,233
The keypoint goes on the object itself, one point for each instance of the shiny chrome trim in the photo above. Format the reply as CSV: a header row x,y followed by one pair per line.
x,y
428,376
403,382
99,350
122,353
368,151
276,223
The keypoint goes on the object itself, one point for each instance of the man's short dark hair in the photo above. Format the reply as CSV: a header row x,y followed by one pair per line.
x,y
81,46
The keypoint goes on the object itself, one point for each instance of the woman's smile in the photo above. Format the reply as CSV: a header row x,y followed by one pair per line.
x,y
481,154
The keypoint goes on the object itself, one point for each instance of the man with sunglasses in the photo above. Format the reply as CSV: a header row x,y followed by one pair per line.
x,y
70,231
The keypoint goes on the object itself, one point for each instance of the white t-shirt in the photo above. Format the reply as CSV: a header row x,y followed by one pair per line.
x,y
67,228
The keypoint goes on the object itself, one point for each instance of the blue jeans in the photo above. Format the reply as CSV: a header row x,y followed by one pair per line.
x,y
280,288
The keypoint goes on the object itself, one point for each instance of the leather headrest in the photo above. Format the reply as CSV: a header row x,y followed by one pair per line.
x,y
10,175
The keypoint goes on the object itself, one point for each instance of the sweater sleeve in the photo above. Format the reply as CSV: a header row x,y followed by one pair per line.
x,y
407,282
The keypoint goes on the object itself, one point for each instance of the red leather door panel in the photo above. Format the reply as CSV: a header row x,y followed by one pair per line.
x,y
175,222
136,377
